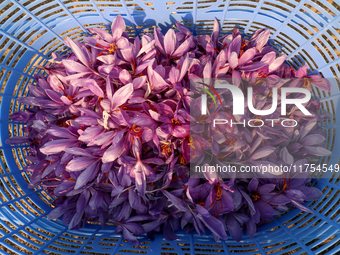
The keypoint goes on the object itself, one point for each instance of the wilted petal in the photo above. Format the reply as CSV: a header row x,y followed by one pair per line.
x,y
21,116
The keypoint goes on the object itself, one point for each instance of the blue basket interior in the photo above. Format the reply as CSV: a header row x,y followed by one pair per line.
x,y
307,31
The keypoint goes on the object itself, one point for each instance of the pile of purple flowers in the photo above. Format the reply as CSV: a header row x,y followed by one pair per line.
x,y
109,134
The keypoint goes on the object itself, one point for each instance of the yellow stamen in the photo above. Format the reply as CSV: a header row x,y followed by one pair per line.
x,y
255,197
182,160
113,48
166,148
285,185
191,142
306,83
135,128
203,118
175,122
219,193
259,118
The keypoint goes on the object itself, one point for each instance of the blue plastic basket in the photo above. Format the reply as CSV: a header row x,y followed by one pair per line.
x,y
307,31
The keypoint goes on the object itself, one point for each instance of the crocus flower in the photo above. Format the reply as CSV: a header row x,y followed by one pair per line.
x,y
141,168
307,80
109,43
